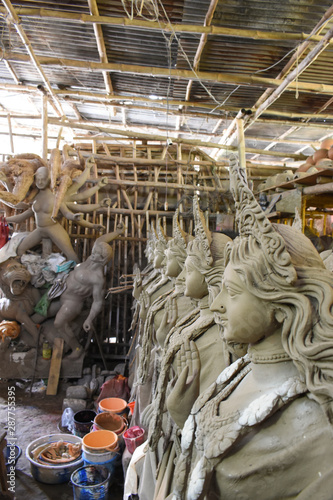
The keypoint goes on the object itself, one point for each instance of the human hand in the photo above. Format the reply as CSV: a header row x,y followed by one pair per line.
x,y
187,387
168,321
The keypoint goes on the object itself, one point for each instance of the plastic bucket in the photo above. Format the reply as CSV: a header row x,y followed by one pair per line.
x,y
99,458
100,441
109,422
90,482
115,405
82,422
133,437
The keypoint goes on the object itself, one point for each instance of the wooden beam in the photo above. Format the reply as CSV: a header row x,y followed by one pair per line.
x,y
163,138
60,16
101,47
225,78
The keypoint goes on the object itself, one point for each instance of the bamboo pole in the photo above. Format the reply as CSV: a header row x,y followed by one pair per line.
x,y
11,140
44,127
241,143
155,71
150,137
58,15
32,57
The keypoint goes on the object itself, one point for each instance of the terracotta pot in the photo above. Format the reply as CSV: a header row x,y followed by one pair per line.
x,y
330,153
320,155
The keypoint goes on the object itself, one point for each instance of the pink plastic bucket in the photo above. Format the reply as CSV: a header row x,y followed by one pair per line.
x,y
133,437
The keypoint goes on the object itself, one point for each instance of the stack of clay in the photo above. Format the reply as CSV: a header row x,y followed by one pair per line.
x,y
321,159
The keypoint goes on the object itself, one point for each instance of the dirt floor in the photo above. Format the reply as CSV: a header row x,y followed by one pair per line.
x,y
36,415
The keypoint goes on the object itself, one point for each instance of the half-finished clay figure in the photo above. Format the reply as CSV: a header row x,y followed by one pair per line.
x,y
263,428
86,280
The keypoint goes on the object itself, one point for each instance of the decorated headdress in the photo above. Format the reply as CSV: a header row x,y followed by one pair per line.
x,y
161,236
252,223
202,233
178,234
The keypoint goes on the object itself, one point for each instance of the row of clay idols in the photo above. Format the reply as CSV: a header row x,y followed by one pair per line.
x,y
237,394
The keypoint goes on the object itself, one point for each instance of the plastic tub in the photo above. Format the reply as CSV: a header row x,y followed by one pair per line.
x,y
100,441
133,437
98,458
82,422
115,405
48,473
90,482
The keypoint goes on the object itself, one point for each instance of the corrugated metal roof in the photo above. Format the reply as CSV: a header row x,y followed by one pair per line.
x,y
194,103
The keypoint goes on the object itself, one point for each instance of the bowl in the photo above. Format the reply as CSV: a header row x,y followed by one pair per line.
x,y
100,441
52,473
114,405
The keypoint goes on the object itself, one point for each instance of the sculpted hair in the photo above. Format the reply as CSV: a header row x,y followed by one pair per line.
x,y
305,305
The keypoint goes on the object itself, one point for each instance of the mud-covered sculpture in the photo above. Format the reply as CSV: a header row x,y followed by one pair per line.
x,y
17,178
46,227
18,296
204,268
263,428
84,281
161,316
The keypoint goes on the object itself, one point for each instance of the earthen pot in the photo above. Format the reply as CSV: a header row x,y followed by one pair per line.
x,y
327,143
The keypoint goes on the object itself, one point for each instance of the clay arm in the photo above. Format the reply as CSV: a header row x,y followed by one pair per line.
x,y
96,306
107,238
87,193
21,217
187,387
69,214
89,207
81,179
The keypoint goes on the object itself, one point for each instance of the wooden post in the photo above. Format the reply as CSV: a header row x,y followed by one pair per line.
x,y
10,134
54,373
44,127
241,143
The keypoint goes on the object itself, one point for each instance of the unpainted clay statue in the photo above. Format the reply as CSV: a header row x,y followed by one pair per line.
x,y
46,227
162,315
17,177
204,266
84,281
19,297
263,429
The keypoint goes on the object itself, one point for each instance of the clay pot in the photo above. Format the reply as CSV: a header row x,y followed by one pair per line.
x,y
303,168
320,154
327,143
110,422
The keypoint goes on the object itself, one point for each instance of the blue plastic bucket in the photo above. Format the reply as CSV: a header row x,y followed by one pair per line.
x,y
110,465
90,482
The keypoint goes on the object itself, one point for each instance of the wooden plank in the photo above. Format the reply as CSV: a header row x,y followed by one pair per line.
x,y
52,385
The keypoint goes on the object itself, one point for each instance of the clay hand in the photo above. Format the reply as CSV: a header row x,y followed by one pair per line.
x,y
144,304
78,216
187,387
90,162
120,228
106,202
87,325
168,321
103,182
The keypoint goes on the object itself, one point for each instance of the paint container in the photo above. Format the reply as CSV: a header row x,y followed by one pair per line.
x,y
46,351
109,422
90,482
114,405
100,441
133,437
82,422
